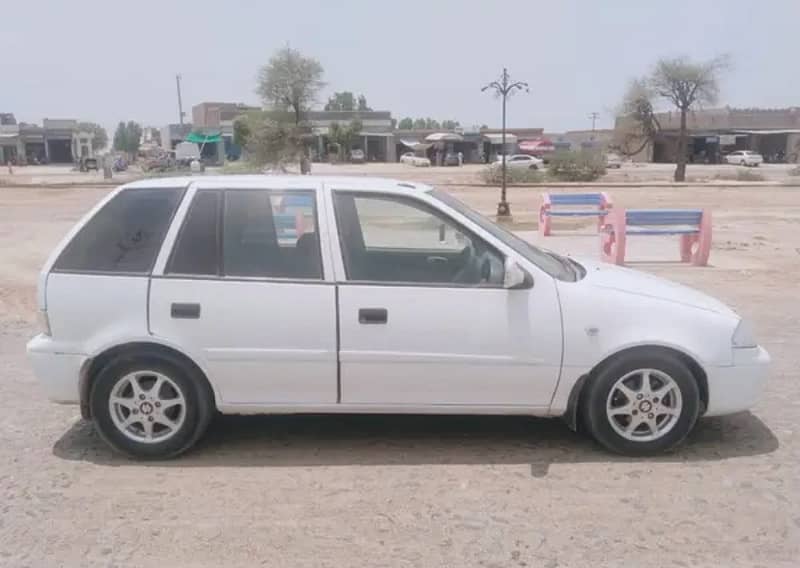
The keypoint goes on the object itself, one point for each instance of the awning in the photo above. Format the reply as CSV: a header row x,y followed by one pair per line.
x,y
498,138
444,137
414,145
200,138
787,131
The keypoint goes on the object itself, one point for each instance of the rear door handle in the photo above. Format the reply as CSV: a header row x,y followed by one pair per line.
x,y
373,315
185,311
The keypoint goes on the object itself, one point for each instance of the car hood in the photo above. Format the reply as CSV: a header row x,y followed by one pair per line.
x,y
625,280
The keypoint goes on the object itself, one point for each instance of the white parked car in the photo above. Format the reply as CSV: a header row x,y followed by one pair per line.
x,y
176,298
414,160
519,162
613,161
744,158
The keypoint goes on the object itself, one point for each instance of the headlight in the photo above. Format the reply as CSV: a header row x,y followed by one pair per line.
x,y
43,321
743,336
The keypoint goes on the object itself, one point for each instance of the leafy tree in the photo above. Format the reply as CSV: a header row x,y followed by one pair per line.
x,y
100,139
290,81
362,104
341,101
420,123
344,136
432,124
127,137
406,124
450,124
685,84
484,127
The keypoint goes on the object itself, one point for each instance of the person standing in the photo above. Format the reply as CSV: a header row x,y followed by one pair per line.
x,y
460,159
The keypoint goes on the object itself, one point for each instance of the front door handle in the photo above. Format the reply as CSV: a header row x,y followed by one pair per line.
x,y
373,315
185,311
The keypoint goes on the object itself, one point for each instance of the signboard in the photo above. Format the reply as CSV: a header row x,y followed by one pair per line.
x,y
727,139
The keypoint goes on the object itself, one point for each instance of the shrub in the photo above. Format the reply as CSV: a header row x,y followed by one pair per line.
x,y
493,175
741,175
582,165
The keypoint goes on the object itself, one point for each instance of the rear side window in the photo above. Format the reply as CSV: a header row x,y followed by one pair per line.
x,y
197,249
125,235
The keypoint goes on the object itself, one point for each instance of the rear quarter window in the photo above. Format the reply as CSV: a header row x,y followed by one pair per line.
x,y
125,235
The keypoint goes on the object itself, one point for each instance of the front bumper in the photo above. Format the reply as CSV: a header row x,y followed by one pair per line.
x,y
59,373
737,387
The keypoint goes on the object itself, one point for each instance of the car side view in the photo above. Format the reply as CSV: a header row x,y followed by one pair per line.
x,y
174,299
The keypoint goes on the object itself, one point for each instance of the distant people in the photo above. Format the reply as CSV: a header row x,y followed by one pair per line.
x,y
460,159
305,165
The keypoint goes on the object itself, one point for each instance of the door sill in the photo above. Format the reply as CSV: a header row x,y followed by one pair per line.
x,y
364,408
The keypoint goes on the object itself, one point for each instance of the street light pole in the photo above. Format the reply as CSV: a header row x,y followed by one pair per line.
x,y
503,88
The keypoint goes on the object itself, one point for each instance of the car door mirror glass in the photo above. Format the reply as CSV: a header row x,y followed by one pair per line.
x,y
516,277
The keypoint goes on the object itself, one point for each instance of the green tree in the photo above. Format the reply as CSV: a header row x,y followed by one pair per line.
x,y
686,84
344,136
406,124
341,101
127,137
290,81
271,142
638,124
100,140
450,124
432,124
420,124
362,104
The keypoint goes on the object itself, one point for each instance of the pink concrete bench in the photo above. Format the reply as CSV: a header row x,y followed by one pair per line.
x,y
692,225
564,205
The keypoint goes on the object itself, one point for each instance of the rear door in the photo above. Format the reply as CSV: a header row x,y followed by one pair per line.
x,y
245,288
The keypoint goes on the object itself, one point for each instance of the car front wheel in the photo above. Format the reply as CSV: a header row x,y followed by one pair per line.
x,y
642,403
149,407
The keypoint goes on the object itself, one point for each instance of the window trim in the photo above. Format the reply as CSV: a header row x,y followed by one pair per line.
x,y
182,228
93,214
425,206
221,276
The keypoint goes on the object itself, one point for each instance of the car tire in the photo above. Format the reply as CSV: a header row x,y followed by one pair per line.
x,y
534,167
124,415
641,421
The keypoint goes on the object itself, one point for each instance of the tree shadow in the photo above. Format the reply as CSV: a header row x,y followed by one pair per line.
x,y
331,440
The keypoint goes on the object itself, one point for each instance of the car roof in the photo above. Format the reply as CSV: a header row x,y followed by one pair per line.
x,y
366,184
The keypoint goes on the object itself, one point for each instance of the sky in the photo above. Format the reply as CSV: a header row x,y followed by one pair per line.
x,y
106,61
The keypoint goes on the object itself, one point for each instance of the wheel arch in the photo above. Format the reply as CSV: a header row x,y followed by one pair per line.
x,y
95,364
576,394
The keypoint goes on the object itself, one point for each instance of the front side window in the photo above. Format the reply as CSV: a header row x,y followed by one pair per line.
x,y
258,234
125,235
396,239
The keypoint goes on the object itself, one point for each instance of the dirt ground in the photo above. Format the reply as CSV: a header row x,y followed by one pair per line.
x,y
418,491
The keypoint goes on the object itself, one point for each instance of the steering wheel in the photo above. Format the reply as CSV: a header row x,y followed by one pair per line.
x,y
477,267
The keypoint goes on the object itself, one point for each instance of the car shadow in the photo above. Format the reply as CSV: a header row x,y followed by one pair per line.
x,y
316,440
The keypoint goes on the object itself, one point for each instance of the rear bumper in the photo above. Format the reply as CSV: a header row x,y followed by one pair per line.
x,y
59,373
739,386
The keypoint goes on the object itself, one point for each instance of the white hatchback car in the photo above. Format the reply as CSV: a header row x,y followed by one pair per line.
x,y
176,298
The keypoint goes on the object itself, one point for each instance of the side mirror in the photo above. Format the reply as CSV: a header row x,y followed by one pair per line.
x,y
516,277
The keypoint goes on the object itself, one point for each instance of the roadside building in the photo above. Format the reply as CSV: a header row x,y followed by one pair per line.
x,y
713,133
173,134
56,141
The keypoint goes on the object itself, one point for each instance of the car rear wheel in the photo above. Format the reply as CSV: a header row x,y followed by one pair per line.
x,y
150,407
642,403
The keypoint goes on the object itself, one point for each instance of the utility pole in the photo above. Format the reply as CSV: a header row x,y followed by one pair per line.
x,y
180,102
594,116
503,88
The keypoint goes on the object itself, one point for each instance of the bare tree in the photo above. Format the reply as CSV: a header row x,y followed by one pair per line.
x,y
686,84
639,124
291,82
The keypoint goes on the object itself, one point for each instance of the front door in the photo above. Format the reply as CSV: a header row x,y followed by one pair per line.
x,y
423,316
243,289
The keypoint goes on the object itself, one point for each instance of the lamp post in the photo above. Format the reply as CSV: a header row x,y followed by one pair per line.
x,y
504,87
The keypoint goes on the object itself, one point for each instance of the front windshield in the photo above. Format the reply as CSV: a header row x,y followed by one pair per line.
x,y
555,265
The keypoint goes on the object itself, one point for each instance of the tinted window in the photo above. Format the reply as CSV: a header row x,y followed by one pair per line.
x,y
197,247
391,239
125,235
270,235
